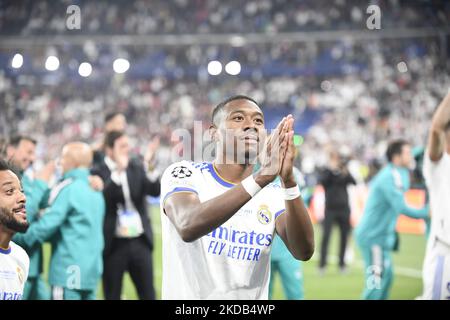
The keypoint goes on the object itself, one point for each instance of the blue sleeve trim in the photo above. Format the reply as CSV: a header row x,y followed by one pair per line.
x,y
279,213
179,189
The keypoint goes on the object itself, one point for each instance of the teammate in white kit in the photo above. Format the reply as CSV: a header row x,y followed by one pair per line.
x,y
14,261
219,219
436,170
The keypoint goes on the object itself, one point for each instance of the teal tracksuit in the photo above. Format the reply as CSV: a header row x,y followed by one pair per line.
x,y
289,268
35,191
376,233
282,261
73,223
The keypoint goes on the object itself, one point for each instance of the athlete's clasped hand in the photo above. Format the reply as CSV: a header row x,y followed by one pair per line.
x,y
277,156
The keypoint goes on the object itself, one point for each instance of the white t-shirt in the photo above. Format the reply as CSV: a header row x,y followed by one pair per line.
x,y
231,262
437,177
14,264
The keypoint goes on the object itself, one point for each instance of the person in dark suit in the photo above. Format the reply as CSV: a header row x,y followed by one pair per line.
x,y
127,229
114,121
335,180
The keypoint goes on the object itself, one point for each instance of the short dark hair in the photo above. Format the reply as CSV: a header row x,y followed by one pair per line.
x,y
15,140
3,145
8,165
112,115
222,104
111,138
4,165
395,148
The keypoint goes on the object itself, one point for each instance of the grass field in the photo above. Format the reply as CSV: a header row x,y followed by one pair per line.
x,y
333,285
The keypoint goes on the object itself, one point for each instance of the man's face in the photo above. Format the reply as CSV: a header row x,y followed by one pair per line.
x,y
13,214
22,155
118,123
121,147
241,130
335,159
406,157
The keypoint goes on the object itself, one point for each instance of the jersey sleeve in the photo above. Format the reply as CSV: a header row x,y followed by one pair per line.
x,y
431,169
179,177
26,264
23,261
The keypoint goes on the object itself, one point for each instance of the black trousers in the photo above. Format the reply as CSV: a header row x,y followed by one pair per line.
x,y
134,256
342,218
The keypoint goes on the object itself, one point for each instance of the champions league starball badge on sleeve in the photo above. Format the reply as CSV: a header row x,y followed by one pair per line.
x,y
181,172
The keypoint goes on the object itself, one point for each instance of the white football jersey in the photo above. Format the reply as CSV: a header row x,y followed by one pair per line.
x,y
437,177
14,264
232,261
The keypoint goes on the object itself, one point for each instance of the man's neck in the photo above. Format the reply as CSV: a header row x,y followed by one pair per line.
x,y
5,237
234,172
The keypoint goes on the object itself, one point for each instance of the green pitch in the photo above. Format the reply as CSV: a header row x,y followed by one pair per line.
x,y
332,285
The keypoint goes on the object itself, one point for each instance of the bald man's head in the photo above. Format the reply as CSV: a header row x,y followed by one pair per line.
x,y
76,155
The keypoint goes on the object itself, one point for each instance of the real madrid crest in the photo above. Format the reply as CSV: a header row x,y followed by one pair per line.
x,y
264,215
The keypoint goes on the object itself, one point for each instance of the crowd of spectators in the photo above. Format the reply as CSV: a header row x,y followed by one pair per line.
x,y
140,17
354,94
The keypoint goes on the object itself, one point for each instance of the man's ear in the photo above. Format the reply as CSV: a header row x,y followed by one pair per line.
x,y
213,133
10,150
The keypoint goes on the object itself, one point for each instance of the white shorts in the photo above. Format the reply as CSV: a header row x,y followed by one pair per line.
x,y
436,271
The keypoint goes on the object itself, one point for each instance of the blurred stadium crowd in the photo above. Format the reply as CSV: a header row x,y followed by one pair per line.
x,y
202,16
375,89
347,92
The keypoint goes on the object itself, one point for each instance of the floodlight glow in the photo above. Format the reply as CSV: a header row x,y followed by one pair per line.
x,y
17,61
214,68
233,68
52,63
85,69
121,65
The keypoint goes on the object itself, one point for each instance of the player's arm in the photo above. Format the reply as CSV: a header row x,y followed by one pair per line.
x,y
194,219
436,137
294,226
396,199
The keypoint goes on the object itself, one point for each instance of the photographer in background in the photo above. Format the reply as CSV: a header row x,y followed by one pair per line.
x,y
335,179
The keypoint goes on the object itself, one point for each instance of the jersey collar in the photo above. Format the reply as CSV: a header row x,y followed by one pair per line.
x,y
218,178
5,251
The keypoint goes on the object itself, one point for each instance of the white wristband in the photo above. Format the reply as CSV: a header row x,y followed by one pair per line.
x,y
291,193
250,185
